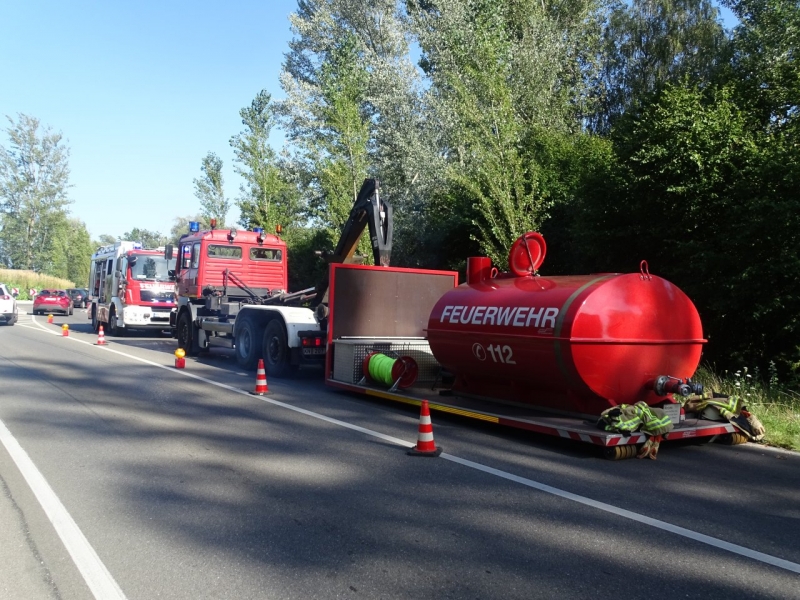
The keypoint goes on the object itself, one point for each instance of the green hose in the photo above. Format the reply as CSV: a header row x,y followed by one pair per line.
x,y
380,368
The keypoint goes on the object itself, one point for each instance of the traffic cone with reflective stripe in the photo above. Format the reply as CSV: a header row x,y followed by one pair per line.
x,y
425,444
65,330
261,380
50,318
101,337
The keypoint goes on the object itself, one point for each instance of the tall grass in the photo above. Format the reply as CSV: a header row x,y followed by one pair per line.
x,y
25,280
776,406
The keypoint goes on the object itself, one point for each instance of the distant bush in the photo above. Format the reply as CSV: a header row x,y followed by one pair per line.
x,y
25,280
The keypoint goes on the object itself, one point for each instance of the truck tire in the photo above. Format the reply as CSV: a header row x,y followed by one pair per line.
x,y
277,357
248,350
95,322
186,335
113,329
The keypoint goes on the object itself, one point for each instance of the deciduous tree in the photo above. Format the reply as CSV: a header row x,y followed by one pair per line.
x,y
209,189
34,184
267,197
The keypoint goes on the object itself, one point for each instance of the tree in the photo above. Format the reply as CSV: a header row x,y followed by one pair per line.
x,y
267,197
209,190
105,239
648,43
355,108
72,251
505,78
149,239
764,68
34,180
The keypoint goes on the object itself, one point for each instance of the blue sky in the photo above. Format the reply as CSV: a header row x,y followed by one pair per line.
x,y
141,91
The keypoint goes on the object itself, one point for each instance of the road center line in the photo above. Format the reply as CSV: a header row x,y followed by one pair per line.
x,y
94,572
542,487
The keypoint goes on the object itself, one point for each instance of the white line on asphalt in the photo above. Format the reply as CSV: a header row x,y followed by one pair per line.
x,y
621,512
94,572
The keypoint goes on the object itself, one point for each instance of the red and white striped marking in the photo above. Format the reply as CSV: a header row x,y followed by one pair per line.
x,y
261,379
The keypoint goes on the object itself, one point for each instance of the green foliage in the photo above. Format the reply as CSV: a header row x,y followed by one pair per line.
x,y
149,239
329,123
104,240
306,268
210,190
266,198
648,43
34,179
504,84
764,66
776,406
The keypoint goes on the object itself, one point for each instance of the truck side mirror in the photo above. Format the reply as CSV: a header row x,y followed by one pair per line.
x,y
168,251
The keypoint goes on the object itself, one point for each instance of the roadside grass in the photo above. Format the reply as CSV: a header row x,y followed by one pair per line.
x,y
777,407
25,280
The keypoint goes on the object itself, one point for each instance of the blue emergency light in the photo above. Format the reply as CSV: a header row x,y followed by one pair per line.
x,y
194,226
137,245
258,230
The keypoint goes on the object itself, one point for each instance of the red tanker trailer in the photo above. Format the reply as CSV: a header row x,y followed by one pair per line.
x,y
520,349
575,344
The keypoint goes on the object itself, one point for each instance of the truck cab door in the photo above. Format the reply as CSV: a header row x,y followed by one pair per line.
x,y
189,258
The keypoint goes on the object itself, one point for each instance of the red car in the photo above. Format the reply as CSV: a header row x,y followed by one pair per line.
x,y
50,301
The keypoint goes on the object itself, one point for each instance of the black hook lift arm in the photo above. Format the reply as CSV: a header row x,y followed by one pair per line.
x,y
368,211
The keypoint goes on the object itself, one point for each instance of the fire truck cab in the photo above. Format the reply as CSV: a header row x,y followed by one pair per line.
x,y
131,288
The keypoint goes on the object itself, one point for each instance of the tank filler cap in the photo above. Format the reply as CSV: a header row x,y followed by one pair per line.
x,y
527,254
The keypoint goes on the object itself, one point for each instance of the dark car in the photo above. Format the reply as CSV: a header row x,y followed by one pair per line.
x,y
80,297
50,301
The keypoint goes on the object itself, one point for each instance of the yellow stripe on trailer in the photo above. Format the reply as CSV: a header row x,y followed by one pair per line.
x,y
439,407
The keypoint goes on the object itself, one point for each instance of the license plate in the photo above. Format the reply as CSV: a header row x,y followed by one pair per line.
x,y
313,351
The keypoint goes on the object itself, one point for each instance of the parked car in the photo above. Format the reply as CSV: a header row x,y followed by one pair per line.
x,y
50,301
80,297
8,306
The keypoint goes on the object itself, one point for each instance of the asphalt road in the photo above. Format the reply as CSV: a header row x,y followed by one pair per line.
x,y
179,484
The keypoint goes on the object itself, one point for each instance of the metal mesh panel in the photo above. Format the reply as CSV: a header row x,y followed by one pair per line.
x,y
350,354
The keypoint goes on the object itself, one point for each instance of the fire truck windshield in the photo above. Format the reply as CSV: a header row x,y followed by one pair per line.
x,y
150,268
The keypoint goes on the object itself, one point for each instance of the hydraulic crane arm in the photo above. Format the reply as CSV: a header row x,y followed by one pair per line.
x,y
368,211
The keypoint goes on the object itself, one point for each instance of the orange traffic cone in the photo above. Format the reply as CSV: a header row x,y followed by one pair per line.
x,y
65,330
101,337
425,444
49,318
261,380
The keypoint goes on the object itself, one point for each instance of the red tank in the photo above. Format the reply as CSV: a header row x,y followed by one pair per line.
x,y
574,344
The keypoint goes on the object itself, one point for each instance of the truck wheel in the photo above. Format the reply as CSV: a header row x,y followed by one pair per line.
x,y
113,329
185,337
247,349
276,350
95,323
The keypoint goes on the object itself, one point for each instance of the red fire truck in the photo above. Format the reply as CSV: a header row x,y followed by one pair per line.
x,y
131,288
232,290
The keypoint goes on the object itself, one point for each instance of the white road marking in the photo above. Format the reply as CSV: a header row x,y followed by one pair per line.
x,y
94,572
542,487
